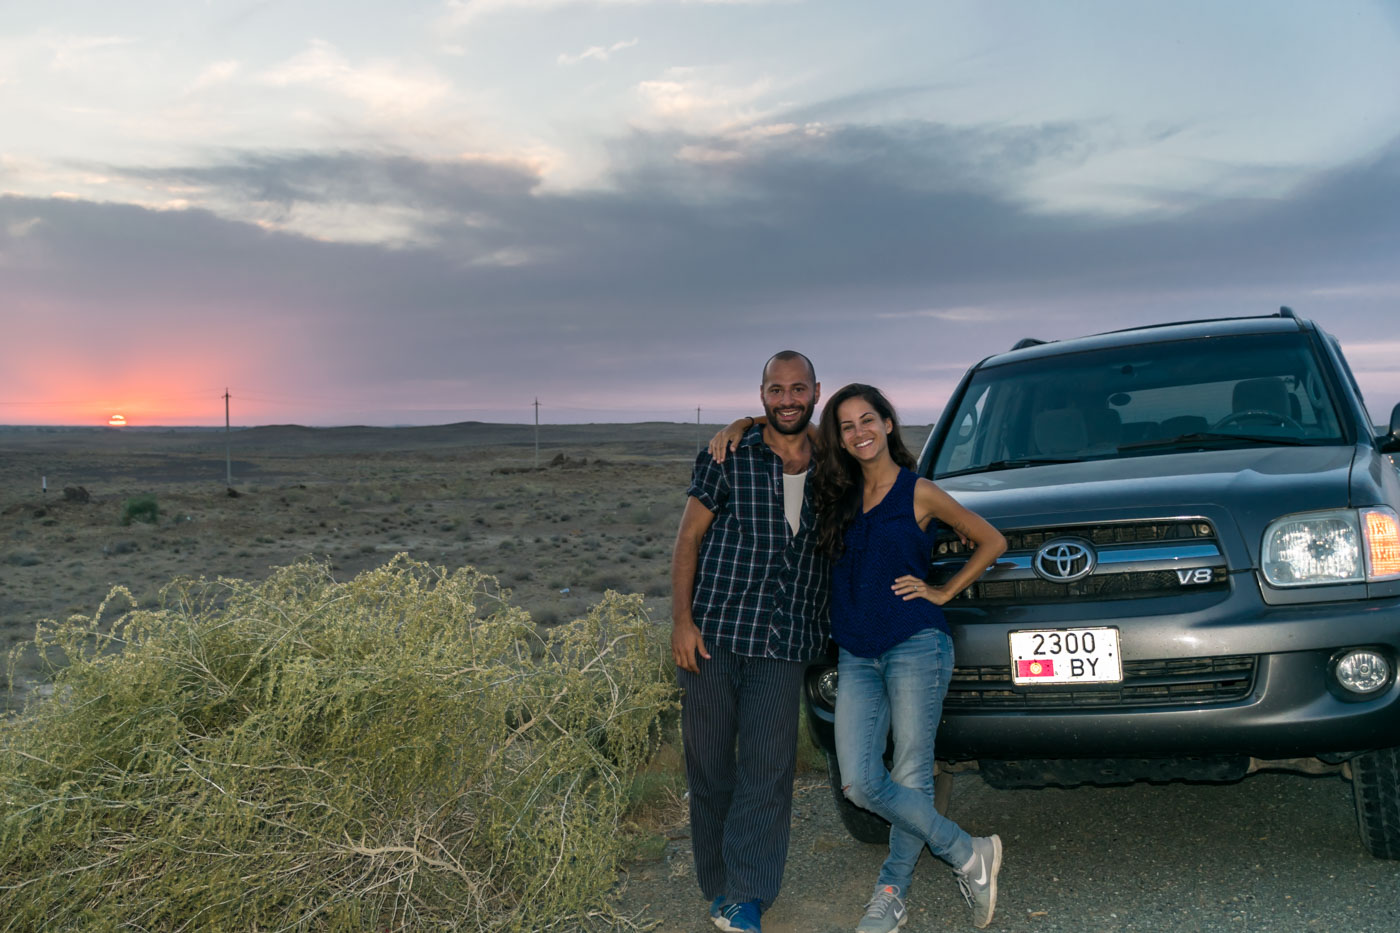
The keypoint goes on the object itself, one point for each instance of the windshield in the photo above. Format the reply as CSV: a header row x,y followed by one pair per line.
x,y
1141,400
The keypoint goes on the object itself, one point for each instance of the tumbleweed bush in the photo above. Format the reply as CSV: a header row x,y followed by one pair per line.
x,y
401,751
142,508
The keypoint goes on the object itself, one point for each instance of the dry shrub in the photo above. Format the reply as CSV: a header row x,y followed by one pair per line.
x,y
399,751
143,508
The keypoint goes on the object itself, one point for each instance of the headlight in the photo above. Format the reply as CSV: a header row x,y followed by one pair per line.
x,y
1312,548
1335,546
826,687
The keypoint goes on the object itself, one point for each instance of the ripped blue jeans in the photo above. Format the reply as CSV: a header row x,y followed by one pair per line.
x,y
902,690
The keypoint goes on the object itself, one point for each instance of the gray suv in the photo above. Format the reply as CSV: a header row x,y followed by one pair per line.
x,y
1203,570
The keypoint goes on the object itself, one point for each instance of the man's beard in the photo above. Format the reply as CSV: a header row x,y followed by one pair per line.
x,y
798,426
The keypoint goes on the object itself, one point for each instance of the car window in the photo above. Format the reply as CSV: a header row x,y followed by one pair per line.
x,y
1139,400
1351,377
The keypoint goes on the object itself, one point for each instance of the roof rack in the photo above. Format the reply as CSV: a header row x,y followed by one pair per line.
x,y
1283,312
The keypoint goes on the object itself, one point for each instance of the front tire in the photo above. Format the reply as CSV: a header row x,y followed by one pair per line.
x,y
1375,789
863,825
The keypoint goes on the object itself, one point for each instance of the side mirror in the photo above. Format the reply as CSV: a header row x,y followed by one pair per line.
x,y
1390,442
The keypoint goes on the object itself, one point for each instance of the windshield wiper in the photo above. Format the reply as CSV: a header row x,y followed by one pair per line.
x,y
1198,438
1016,464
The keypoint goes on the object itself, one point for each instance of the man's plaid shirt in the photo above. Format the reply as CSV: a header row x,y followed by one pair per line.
x,y
760,590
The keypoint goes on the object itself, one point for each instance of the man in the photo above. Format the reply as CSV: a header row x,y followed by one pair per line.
x,y
748,609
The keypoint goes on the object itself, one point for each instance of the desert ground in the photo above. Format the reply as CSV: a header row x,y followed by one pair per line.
x,y
598,513
1274,852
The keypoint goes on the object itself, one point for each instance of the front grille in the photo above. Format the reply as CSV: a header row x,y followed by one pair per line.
x,y
1106,533
1136,559
1096,586
1176,682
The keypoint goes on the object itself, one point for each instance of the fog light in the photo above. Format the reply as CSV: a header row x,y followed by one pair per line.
x,y
1363,671
826,687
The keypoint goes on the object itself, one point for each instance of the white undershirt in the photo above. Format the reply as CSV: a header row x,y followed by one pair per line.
x,y
793,485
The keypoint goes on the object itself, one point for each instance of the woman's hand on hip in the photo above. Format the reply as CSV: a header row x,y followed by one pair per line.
x,y
911,587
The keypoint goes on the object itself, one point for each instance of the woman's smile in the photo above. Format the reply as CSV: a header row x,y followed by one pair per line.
x,y
862,429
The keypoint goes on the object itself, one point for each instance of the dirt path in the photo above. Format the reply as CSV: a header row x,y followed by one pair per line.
x,y
1276,852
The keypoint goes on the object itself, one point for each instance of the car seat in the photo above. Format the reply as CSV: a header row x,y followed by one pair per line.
x,y
1266,394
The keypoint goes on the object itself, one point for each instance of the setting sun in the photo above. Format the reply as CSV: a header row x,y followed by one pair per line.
x,y
117,421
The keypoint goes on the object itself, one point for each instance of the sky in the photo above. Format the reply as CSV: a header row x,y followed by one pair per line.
x,y
354,212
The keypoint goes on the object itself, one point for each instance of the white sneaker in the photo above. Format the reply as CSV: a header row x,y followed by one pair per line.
x,y
978,879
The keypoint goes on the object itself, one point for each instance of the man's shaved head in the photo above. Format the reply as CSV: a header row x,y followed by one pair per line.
x,y
789,392
784,356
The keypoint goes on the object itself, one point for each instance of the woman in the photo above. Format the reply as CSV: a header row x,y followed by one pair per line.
x,y
878,521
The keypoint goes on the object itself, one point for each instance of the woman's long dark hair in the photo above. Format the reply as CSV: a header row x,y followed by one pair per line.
x,y
836,489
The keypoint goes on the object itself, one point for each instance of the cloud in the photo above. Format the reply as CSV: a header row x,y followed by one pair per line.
x,y
394,200
596,53
897,253
459,14
1379,289
684,99
20,228
964,314
215,74
1373,355
381,86
74,51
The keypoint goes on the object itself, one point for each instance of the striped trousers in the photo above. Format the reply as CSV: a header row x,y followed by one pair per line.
x,y
739,724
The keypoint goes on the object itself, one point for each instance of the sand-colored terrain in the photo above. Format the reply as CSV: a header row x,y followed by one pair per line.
x,y
1081,859
600,512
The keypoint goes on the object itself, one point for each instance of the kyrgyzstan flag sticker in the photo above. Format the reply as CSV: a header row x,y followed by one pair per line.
x,y
1035,668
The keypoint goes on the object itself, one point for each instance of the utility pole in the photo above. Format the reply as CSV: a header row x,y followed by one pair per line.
x,y
697,429
228,444
537,432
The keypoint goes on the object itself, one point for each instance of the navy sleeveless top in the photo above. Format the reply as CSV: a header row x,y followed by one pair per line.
x,y
867,617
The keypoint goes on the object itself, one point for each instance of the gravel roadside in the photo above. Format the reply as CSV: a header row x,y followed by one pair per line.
x,y
1275,852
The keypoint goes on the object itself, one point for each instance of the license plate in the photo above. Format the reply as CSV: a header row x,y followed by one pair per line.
x,y
1066,656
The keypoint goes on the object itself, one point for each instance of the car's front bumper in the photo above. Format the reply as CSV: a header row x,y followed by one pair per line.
x,y
1291,708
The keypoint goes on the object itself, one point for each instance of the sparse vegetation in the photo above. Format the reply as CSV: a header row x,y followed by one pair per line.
x,y
336,493
141,508
400,751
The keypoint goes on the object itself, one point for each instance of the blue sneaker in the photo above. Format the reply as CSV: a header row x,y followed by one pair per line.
x,y
739,918
715,905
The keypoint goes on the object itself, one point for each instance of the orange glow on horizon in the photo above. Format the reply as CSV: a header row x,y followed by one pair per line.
x,y
76,398
99,374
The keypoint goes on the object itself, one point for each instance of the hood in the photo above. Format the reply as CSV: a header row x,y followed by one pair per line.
x,y
1251,486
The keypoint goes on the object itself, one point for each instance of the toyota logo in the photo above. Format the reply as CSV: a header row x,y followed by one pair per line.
x,y
1065,560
